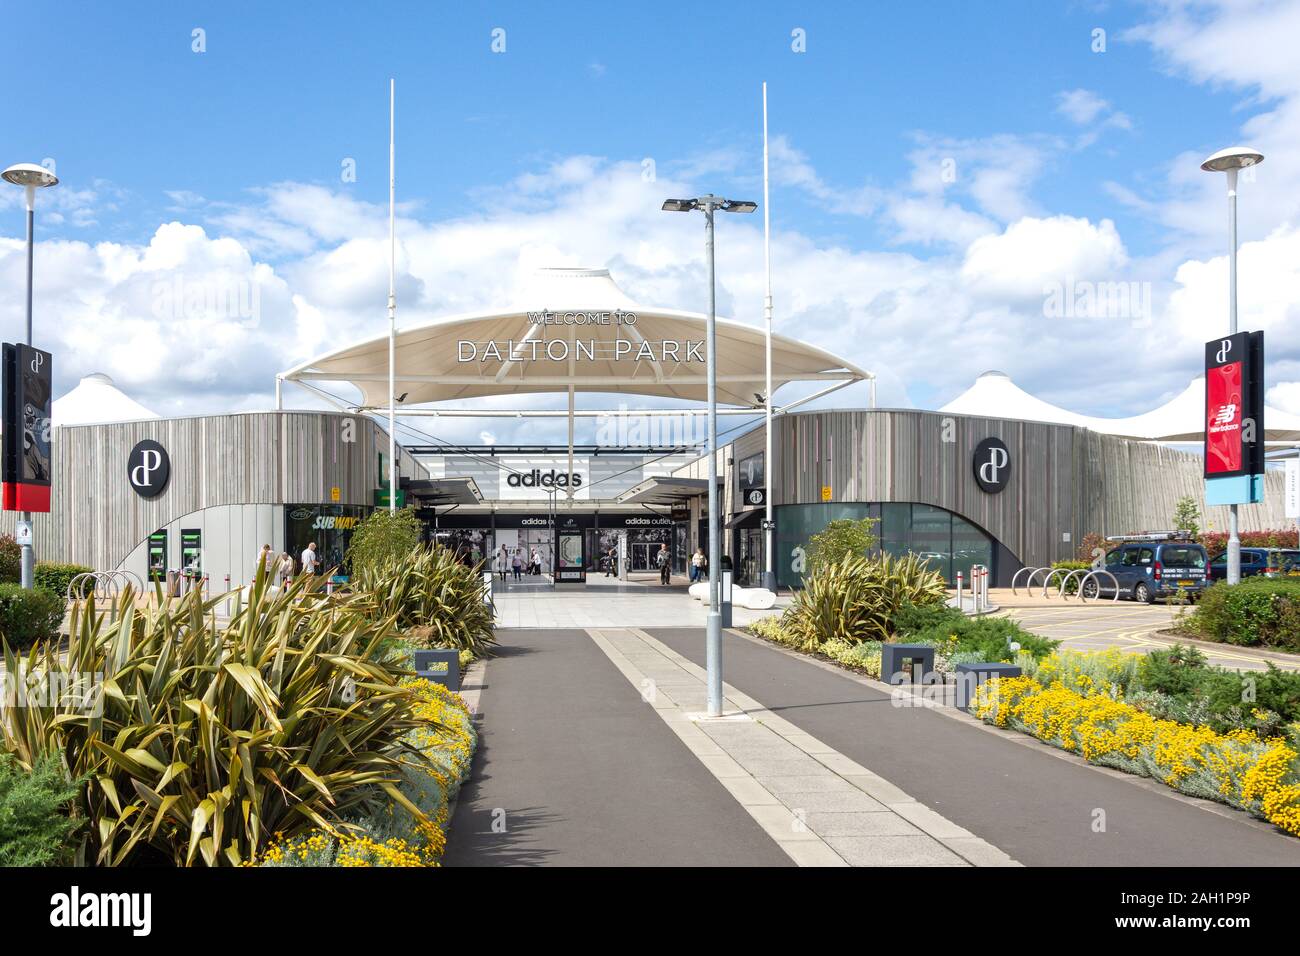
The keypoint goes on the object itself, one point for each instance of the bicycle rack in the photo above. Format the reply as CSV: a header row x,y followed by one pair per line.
x,y
105,586
1016,577
1051,573
1095,571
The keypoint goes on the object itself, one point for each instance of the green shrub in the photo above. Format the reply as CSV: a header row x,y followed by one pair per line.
x,y
29,616
56,577
912,618
383,537
989,637
844,537
1065,567
11,560
1221,698
1258,611
434,598
34,822
856,599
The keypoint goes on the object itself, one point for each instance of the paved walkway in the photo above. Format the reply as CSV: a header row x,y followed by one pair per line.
x,y
606,602
1032,801
593,752
574,769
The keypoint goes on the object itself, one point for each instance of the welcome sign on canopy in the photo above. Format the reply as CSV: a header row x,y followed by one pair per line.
x,y
637,349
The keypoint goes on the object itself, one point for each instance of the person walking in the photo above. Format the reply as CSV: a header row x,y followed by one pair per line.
x,y
517,565
285,569
263,561
503,562
309,559
535,562
664,561
697,564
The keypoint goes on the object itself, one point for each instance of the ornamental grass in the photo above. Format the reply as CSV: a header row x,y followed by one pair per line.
x,y
392,837
199,743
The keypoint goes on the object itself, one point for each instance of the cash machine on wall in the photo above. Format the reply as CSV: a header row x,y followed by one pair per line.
x,y
158,556
192,554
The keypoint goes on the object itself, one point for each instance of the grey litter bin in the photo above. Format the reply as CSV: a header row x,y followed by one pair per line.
x,y
970,676
439,666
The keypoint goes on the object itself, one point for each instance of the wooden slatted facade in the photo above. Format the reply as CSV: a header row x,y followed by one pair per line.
x,y
252,459
1064,480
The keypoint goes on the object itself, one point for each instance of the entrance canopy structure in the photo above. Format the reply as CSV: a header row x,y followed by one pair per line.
x,y
574,331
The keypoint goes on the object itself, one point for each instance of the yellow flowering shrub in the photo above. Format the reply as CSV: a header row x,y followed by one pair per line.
x,y
446,740
1238,768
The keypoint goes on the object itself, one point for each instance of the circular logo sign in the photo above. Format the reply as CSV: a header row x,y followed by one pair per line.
x,y
755,496
991,465
148,468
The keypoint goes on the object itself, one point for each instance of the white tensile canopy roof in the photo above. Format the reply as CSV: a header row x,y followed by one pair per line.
x,y
97,400
1181,419
660,353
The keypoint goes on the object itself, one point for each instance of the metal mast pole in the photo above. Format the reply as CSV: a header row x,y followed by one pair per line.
x,y
769,467
392,302
1234,539
27,571
713,645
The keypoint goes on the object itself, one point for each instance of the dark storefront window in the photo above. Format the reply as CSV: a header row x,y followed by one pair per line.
x,y
749,566
330,526
472,545
949,542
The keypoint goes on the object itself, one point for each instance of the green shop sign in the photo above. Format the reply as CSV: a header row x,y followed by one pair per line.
x,y
381,498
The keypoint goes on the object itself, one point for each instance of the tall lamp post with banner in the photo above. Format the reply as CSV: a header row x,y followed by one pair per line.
x,y
713,645
1234,376
27,397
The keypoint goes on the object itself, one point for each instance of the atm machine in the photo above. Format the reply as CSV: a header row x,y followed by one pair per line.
x,y
192,556
158,556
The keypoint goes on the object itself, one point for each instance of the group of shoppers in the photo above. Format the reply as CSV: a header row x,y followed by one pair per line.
x,y
514,562
282,568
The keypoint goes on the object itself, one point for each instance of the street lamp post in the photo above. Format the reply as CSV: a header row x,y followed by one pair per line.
x,y
31,177
713,627
1231,161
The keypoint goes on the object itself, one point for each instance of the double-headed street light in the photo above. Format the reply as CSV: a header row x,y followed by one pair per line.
x,y
713,647
31,177
1230,161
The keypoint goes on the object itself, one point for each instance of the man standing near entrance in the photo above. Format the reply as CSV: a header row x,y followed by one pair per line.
x,y
309,559
664,560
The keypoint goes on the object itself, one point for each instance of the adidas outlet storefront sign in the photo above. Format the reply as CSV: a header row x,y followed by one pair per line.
x,y
548,479
537,479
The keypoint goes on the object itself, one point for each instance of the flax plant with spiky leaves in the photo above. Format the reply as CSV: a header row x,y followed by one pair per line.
x,y
856,598
205,742
430,592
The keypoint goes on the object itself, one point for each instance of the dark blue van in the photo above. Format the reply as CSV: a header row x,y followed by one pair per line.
x,y
1151,566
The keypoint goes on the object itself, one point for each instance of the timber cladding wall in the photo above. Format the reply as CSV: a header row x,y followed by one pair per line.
x,y
257,458
1064,480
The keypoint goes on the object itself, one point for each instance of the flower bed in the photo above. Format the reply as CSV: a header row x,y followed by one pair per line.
x,y
394,837
1240,768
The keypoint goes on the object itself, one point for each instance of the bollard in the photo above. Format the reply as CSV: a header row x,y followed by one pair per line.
x,y
329,587
960,598
227,595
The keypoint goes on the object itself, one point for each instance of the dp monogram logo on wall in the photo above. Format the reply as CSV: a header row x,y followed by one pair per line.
x,y
992,465
148,468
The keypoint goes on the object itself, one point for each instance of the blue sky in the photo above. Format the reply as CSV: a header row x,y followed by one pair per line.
x,y
285,91
1041,128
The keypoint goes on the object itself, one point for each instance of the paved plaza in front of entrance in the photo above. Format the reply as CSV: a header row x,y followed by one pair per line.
x,y
643,602
593,751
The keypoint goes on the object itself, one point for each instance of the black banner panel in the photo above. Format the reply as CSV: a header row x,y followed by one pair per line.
x,y
26,468
1234,405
